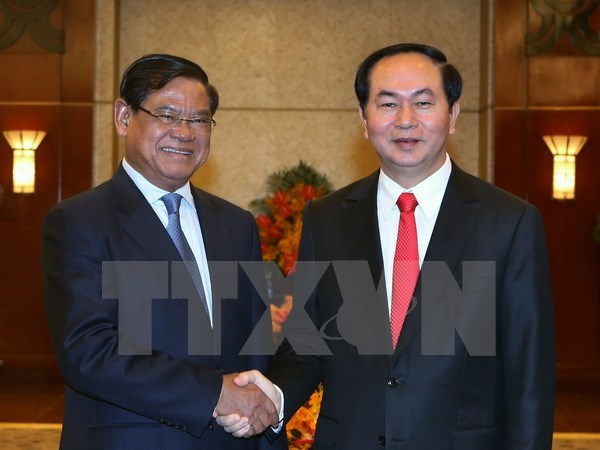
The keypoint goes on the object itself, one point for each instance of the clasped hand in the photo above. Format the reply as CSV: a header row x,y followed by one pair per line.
x,y
248,404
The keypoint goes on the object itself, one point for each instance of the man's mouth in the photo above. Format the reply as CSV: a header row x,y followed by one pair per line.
x,y
176,151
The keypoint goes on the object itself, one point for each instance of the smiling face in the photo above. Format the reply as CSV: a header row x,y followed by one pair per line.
x,y
166,156
407,117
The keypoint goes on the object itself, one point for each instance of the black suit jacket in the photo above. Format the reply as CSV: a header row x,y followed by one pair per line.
x,y
158,395
408,399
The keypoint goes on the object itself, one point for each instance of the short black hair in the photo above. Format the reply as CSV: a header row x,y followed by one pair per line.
x,y
451,78
152,72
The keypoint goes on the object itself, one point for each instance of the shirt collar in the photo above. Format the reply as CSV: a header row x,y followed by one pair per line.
x,y
153,193
429,192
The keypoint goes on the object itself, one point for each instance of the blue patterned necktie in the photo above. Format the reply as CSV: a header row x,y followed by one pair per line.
x,y
172,202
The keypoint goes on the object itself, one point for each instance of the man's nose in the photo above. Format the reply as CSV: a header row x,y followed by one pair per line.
x,y
405,117
182,130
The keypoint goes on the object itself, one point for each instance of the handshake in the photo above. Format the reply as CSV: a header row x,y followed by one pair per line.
x,y
248,404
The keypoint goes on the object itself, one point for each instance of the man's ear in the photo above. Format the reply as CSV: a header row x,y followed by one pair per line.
x,y
363,119
122,114
454,112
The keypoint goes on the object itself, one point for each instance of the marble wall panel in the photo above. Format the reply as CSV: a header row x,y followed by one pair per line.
x,y
301,53
285,71
246,143
104,139
451,25
105,41
106,81
463,144
264,53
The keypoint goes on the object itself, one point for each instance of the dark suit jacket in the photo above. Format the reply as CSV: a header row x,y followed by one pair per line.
x,y
158,396
408,399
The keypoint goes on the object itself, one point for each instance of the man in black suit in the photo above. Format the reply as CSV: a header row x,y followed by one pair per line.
x,y
149,345
483,272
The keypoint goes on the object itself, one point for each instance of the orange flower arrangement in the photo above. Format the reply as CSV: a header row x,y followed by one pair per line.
x,y
280,224
301,428
280,218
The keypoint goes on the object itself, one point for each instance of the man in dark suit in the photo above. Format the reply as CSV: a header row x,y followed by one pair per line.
x,y
149,345
483,272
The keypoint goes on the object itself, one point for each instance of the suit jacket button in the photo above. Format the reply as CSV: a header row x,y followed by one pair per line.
x,y
210,426
392,382
381,440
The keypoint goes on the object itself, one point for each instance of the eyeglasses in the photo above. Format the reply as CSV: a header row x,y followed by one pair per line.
x,y
198,125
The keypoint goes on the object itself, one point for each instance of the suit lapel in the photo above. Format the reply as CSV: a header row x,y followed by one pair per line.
x,y
360,226
457,217
215,233
140,222
361,232
232,311
455,222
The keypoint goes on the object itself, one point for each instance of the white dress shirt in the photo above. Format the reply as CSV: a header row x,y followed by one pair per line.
x,y
188,218
429,194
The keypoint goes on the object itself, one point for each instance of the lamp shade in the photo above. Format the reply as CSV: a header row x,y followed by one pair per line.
x,y
565,144
24,139
24,171
565,149
24,144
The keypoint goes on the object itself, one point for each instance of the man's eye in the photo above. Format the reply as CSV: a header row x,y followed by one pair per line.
x,y
167,117
199,121
423,103
388,105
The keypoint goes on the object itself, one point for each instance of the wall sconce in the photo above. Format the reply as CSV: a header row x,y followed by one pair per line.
x,y
565,149
24,144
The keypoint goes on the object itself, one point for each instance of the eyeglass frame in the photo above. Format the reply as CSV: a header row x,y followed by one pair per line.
x,y
178,119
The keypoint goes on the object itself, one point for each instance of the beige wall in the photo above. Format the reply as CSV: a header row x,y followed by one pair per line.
x,y
285,72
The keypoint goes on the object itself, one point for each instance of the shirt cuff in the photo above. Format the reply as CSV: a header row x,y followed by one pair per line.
x,y
281,408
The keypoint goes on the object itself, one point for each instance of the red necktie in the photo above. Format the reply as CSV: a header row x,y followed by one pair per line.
x,y
406,263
